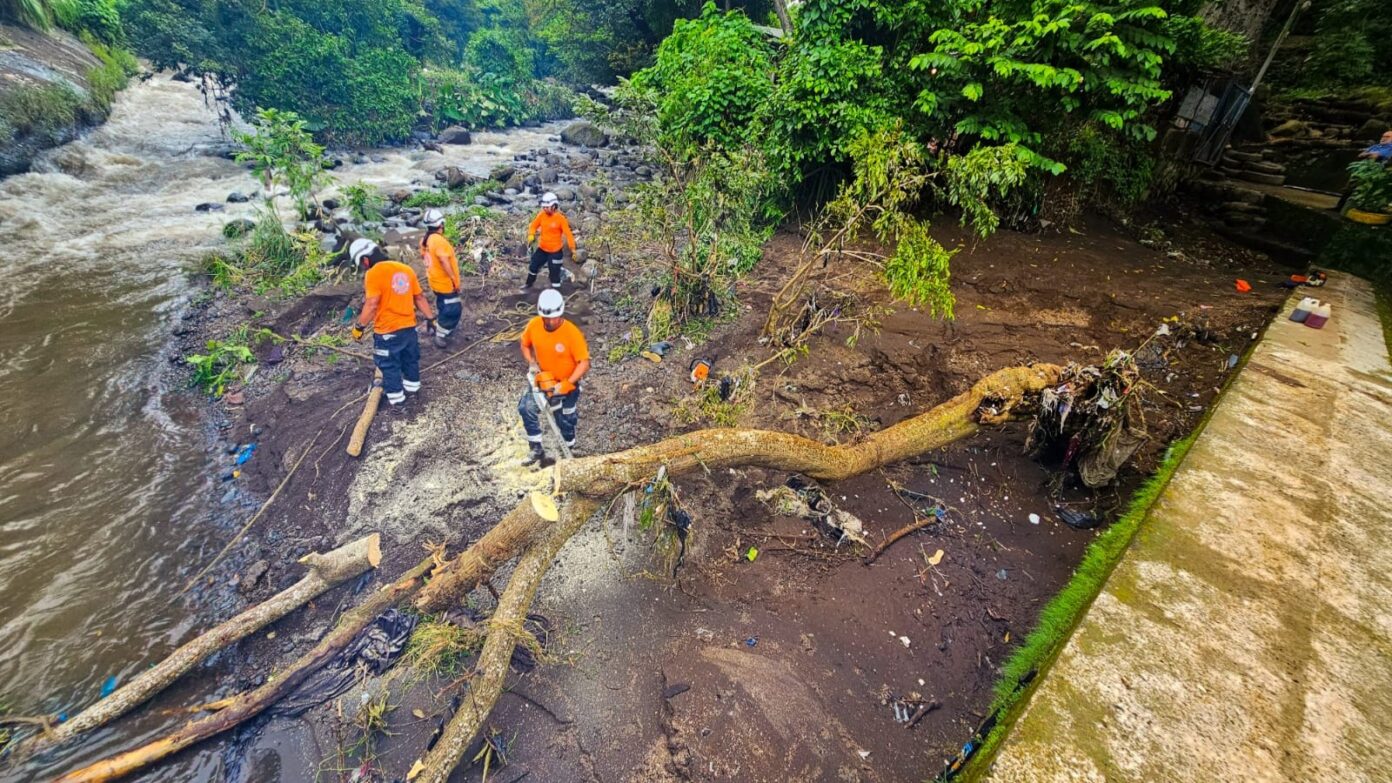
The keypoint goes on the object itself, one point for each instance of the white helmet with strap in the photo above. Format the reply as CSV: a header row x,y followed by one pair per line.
x,y
549,199
551,304
433,218
361,251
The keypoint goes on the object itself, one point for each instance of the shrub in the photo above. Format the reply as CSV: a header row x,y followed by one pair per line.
x,y
214,370
44,110
1372,185
364,202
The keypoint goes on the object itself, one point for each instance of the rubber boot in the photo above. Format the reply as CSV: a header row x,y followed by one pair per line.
x,y
536,456
441,342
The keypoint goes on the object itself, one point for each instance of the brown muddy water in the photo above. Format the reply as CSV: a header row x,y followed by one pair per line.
x,y
109,491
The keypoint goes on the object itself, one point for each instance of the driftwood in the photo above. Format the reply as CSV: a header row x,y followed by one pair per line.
x,y
587,481
538,537
989,401
325,571
250,703
374,398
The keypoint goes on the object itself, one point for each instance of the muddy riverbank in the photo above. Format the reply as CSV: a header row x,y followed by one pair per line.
x,y
786,666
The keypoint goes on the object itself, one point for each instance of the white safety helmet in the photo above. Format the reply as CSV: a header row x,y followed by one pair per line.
x,y
550,304
433,218
549,199
361,251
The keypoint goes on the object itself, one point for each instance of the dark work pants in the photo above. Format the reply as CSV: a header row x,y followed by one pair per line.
x,y
448,310
549,258
563,408
397,355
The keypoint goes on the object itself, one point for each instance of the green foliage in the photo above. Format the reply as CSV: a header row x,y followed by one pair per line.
x,y
710,82
440,648
100,19
1104,168
1372,186
214,370
1201,48
282,153
1361,250
596,41
38,14
438,197
44,111
105,80
271,260
364,202
1353,44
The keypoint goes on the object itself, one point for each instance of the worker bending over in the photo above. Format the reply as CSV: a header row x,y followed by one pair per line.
x,y
546,236
442,272
392,297
557,359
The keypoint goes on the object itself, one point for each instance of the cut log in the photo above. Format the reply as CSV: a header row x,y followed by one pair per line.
x,y
325,571
250,703
374,398
504,631
711,449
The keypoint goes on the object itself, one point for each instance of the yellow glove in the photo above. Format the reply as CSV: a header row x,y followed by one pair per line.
x,y
357,332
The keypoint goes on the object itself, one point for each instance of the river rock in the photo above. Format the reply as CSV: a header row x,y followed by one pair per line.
x,y
511,191
584,134
455,177
555,160
502,173
643,171
237,197
238,228
565,194
548,175
253,575
517,181
1291,129
208,206
456,134
481,201
399,195
589,191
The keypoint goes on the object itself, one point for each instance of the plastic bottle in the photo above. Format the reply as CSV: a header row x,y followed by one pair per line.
x,y
1302,310
1318,317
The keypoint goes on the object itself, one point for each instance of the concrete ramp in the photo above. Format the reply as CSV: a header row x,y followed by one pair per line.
x,y
1247,633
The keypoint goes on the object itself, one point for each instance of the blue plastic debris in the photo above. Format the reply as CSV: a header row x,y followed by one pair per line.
x,y
751,641
108,686
245,453
940,512
62,717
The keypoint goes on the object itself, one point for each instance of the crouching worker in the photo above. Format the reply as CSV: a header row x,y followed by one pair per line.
x,y
393,295
557,359
442,272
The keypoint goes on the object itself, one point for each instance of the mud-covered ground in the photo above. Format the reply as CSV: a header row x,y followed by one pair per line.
x,y
784,667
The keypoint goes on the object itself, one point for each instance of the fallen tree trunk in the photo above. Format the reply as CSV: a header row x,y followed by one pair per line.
x,y
325,571
250,703
988,401
374,398
504,631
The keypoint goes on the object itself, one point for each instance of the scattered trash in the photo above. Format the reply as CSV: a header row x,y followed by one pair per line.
x,y
1303,309
1092,419
231,475
1002,575
752,554
660,348
1242,286
805,499
419,713
1319,316
904,640
109,686
705,634
1079,520
700,370
675,690
864,754
1232,360
245,453
1034,519
936,558
650,356
751,641
374,650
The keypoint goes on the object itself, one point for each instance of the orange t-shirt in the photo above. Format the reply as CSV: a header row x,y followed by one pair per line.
x,y
557,352
554,230
441,267
398,287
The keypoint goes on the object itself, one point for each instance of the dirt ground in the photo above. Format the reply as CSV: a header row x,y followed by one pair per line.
x,y
787,667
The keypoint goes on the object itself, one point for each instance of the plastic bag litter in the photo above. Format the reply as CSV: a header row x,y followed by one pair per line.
x,y
804,499
371,653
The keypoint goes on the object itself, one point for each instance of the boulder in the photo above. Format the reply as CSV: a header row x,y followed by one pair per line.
x,y
399,195
643,171
565,194
517,181
502,173
455,177
331,204
238,228
584,134
456,134
208,206
1372,129
237,197
548,175
1293,129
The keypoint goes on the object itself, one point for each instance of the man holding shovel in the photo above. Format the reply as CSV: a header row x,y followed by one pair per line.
x,y
557,359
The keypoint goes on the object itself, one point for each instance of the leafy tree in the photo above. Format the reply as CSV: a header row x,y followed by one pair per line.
x,y
282,153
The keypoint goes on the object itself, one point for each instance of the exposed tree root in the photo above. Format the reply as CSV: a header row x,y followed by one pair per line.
x,y
251,703
326,571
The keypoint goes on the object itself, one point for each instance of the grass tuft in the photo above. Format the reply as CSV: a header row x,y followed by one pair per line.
x,y
441,648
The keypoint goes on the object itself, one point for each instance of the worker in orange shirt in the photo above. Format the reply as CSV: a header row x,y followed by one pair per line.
x,y
442,272
392,297
557,359
548,233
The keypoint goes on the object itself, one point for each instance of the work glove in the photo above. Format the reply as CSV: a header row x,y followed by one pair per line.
x,y
430,326
532,245
562,388
357,332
